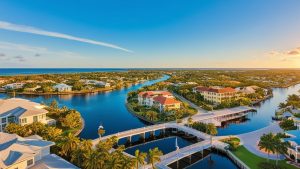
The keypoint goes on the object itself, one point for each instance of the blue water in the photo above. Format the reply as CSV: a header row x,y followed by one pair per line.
x,y
106,108
218,162
265,111
27,71
166,145
109,110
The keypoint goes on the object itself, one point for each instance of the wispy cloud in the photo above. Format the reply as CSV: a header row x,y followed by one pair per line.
x,y
33,50
19,58
33,30
288,55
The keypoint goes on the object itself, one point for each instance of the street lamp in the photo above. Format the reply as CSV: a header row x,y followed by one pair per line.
x,y
101,131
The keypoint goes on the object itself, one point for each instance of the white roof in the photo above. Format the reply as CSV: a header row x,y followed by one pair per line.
x,y
20,107
53,161
14,149
61,85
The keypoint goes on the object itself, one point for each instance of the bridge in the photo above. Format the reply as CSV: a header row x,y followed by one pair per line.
x,y
187,151
215,117
162,127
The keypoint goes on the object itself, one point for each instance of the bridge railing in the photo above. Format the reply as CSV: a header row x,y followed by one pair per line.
x,y
201,145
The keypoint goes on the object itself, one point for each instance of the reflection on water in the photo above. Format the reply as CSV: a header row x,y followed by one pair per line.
x,y
107,108
214,160
263,116
166,145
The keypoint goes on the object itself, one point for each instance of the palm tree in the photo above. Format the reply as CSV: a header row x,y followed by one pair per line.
x,y
190,121
114,162
281,105
154,156
81,153
212,130
127,163
280,147
93,161
139,158
68,144
152,115
266,142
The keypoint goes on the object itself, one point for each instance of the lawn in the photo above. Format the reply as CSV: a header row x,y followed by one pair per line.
x,y
252,160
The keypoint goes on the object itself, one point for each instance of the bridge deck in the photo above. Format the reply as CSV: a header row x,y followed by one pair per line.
x,y
181,153
142,130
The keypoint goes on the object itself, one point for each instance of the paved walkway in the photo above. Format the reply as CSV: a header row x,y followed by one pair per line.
x,y
251,139
199,109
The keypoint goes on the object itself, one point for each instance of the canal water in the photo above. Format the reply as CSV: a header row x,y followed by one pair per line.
x,y
109,110
106,108
261,118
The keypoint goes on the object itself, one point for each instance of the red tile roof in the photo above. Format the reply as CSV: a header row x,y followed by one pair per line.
x,y
154,93
215,90
165,101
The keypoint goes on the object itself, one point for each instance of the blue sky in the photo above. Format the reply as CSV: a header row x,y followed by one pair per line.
x,y
154,33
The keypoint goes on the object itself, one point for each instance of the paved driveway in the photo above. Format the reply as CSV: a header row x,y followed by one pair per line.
x,y
251,139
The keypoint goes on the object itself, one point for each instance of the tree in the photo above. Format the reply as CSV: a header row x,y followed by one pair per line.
x,y
212,129
139,158
17,129
266,143
190,120
287,124
81,152
282,105
94,160
127,163
72,120
279,146
68,144
53,105
152,115
154,156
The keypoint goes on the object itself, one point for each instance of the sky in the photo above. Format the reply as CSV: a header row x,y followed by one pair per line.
x,y
150,33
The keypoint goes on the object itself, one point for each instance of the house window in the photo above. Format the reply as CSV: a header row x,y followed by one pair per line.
x,y
24,120
11,119
35,118
3,120
3,127
29,162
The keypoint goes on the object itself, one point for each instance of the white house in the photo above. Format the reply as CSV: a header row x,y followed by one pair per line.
x,y
21,111
96,83
62,87
29,153
12,86
294,140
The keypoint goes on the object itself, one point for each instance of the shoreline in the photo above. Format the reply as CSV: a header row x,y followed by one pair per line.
x,y
61,93
82,127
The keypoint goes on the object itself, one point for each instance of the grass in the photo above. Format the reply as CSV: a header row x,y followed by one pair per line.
x,y
252,160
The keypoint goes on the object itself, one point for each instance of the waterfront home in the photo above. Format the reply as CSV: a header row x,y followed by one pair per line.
x,y
29,153
293,151
216,94
146,98
21,111
166,103
62,87
13,86
96,83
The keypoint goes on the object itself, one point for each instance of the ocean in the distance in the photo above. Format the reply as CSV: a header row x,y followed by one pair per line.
x,y
28,71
